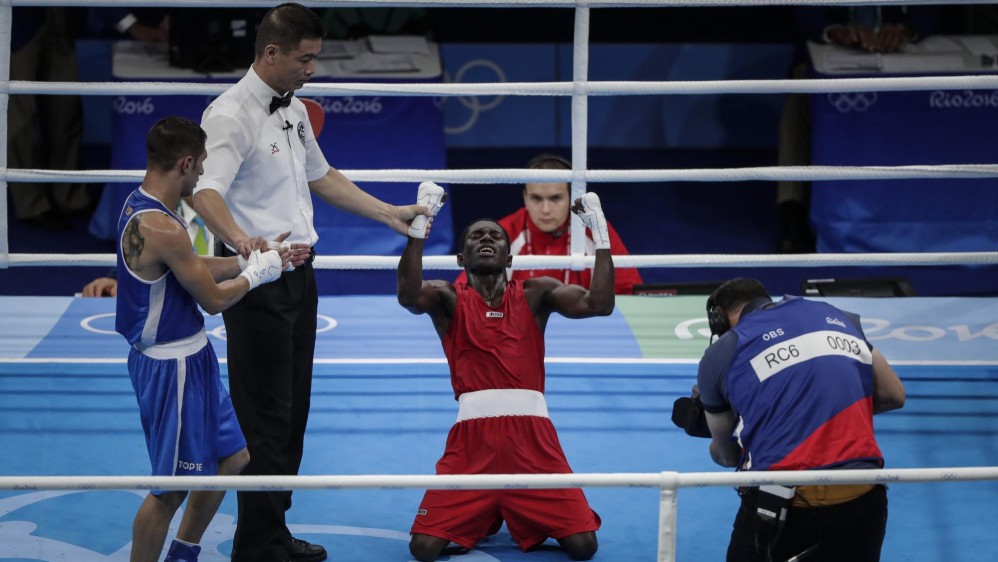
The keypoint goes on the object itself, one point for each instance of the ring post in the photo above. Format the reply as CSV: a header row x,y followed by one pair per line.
x,y
580,129
667,517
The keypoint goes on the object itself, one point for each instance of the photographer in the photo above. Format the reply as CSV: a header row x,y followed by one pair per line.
x,y
794,385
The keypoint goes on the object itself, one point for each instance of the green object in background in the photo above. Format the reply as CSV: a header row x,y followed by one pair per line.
x,y
667,327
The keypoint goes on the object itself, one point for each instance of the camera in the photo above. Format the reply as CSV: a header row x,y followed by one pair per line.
x,y
688,413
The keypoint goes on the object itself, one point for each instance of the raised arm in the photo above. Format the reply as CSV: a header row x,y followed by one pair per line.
x,y
416,295
573,301
437,297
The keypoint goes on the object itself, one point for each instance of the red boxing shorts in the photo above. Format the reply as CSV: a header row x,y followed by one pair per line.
x,y
522,444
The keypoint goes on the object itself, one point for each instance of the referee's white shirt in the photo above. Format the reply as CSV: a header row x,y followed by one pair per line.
x,y
261,163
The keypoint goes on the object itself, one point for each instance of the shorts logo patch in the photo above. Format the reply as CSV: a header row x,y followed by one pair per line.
x,y
420,512
493,314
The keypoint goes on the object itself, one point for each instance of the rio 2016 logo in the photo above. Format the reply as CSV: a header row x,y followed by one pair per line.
x,y
966,99
876,329
126,105
350,105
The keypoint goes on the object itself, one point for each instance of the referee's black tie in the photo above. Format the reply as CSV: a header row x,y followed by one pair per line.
x,y
278,101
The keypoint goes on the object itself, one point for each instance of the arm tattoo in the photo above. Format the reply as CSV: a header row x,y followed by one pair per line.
x,y
131,248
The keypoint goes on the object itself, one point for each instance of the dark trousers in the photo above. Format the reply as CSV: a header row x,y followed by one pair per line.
x,y
49,56
271,341
851,531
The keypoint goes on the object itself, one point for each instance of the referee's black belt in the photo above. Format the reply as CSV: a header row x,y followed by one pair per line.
x,y
222,250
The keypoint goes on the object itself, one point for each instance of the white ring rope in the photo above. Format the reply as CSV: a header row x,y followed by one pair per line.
x,y
514,176
447,262
580,89
594,88
479,3
670,480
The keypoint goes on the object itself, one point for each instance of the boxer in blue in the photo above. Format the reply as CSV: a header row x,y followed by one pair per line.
x,y
187,416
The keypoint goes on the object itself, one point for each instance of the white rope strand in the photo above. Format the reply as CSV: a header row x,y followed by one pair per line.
x,y
690,260
564,262
78,176
607,88
512,176
502,481
476,3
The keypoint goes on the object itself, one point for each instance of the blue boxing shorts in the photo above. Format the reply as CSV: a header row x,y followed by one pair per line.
x,y
187,415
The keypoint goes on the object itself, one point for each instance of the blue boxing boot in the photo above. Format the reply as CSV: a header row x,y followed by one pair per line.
x,y
182,552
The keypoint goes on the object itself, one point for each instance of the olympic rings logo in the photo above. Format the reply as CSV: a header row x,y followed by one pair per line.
x,y
474,105
846,102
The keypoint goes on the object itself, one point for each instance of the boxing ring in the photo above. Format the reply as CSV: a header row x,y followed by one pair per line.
x,y
382,408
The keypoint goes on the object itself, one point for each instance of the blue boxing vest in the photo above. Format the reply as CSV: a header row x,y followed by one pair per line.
x,y
802,382
152,312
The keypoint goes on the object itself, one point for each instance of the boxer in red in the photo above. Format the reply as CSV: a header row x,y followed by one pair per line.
x,y
492,331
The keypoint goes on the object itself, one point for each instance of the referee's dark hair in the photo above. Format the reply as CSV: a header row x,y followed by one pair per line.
x,y
286,26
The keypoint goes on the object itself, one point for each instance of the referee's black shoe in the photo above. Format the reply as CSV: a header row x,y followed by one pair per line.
x,y
304,551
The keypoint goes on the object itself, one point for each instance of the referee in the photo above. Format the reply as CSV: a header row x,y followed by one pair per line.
x,y
263,167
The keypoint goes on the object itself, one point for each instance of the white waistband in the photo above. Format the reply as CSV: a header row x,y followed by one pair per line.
x,y
501,402
175,349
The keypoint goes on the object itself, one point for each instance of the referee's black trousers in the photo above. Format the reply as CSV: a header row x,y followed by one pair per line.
x,y
271,342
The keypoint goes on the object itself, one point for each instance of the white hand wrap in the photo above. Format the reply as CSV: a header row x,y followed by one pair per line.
x,y
271,245
592,216
431,196
275,245
261,268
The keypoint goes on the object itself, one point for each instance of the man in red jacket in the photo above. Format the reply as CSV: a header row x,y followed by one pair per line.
x,y
543,228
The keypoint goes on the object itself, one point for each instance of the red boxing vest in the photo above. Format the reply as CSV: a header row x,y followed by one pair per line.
x,y
489,348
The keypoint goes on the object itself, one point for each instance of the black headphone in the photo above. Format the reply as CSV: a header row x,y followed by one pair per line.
x,y
717,320
536,161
